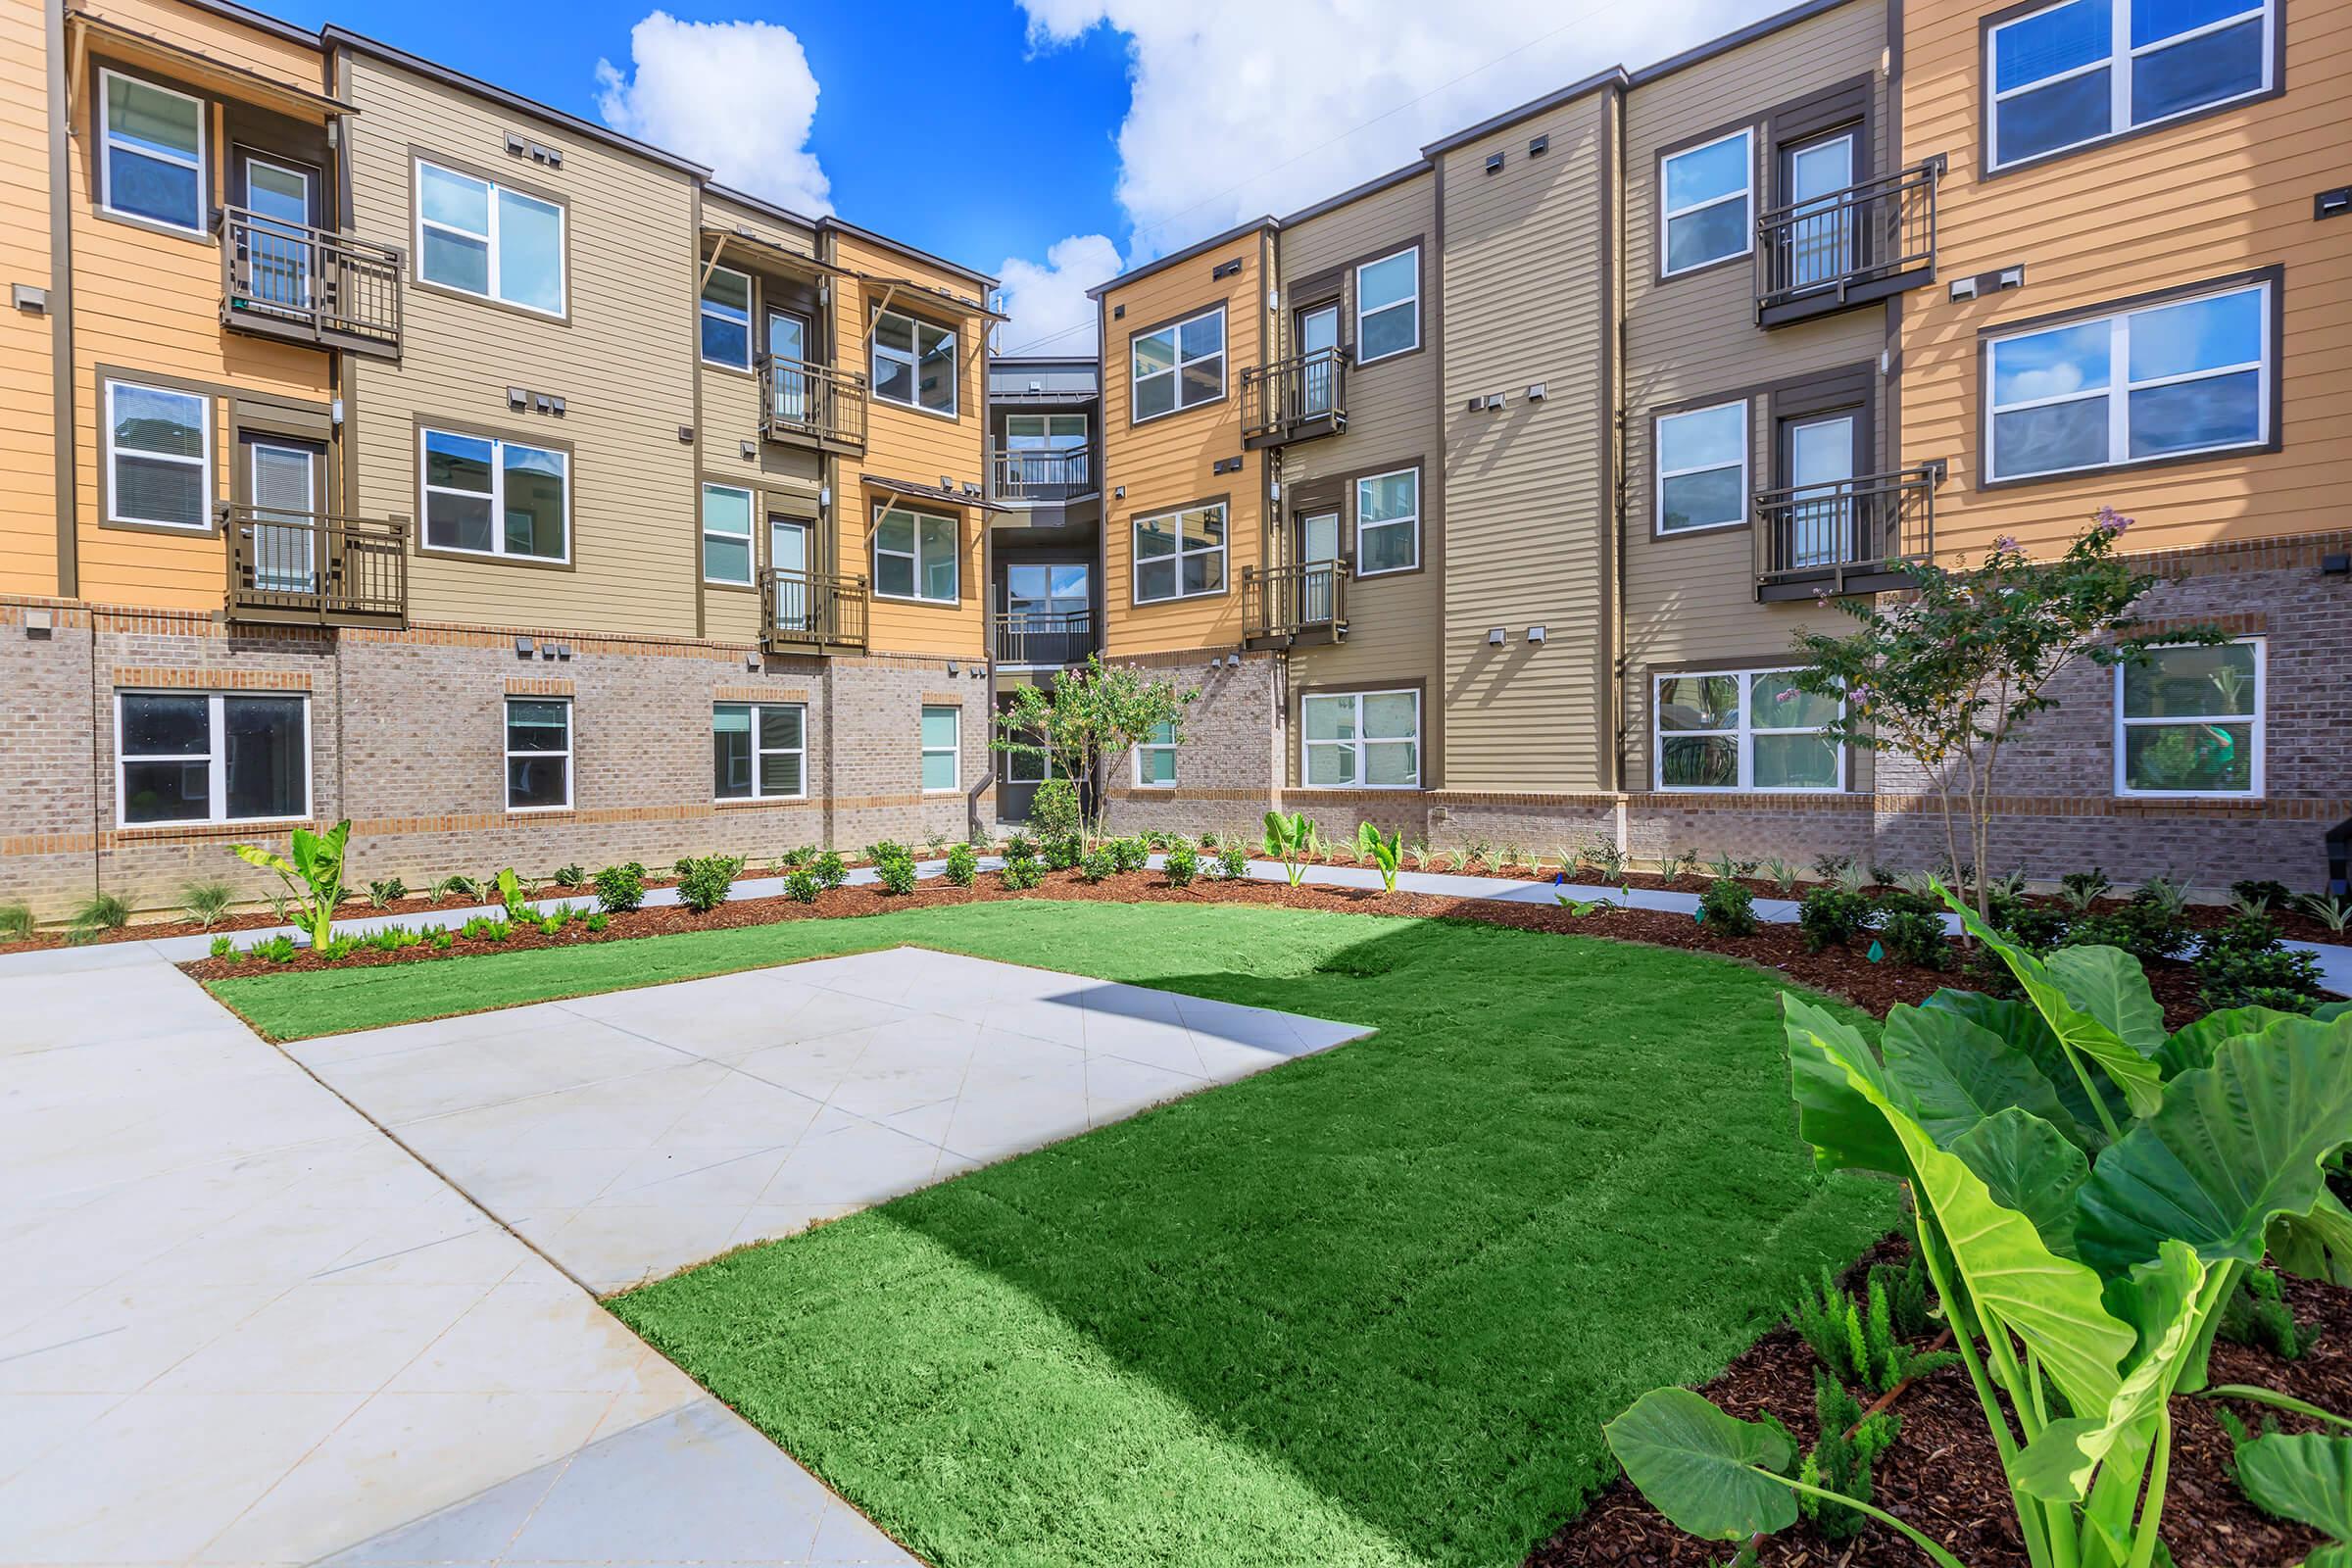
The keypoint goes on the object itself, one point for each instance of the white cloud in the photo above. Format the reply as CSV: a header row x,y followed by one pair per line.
x,y
1051,313
1242,107
736,95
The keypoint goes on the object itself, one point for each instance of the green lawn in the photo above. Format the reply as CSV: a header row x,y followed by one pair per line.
x,y
1370,1307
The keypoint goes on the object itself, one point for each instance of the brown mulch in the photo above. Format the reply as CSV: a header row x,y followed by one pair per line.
x,y
1944,1476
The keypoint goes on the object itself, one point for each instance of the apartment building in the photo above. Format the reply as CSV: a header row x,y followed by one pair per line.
x,y
1707,348
395,448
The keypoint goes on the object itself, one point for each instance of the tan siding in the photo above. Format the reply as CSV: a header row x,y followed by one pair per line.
x,y
2226,193
207,32
27,412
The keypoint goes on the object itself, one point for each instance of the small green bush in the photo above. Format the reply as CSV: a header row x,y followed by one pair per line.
x,y
1130,853
1728,907
484,928
223,947
97,914
794,858
443,938
1097,865
886,850
1064,852
1021,873
1832,916
896,873
16,922
1914,936
205,903
2257,1314
2244,962
963,864
597,920
2263,890
457,885
1019,846
278,949
2035,926
1054,809
1180,862
1233,859
620,888
830,871
551,925
338,948
386,890
1841,1458
801,887
704,882
570,879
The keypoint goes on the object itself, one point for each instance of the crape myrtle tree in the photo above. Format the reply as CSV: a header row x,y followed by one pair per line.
x,y
1945,673
1103,710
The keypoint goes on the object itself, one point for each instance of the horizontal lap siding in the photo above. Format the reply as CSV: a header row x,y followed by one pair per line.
x,y
264,53
1530,519
623,365
2222,194
27,412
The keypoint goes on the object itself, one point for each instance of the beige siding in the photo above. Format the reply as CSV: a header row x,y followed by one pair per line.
x,y
1528,491
624,362
27,412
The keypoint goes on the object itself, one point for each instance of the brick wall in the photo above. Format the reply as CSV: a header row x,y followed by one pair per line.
x,y
1229,768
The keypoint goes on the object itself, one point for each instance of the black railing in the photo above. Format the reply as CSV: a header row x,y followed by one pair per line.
x,y
1294,399
310,568
813,404
1038,475
1036,639
812,609
314,285
1871,238
1286,601
1850,536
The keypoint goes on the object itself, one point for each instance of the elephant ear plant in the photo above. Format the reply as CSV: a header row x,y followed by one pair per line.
x,y
313,872
1293,841
1383,851
2089,1191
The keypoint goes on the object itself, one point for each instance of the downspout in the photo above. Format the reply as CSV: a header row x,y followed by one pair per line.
x,y
1615,338
61,305
988,589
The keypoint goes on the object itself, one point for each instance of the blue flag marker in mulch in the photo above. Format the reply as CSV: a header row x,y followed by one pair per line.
x,y
1876,953
1559,879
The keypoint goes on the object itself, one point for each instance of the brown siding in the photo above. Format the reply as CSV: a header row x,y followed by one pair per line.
x,y
27,408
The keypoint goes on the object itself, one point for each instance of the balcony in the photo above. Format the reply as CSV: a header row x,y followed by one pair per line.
x,y
812,611
1284,606
1296,399
808,405
309,285
1041,475
1847,248
1855,536
1027,639
303,568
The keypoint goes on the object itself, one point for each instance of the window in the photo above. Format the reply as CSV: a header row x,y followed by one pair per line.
x,y
159,456
2164,381
152,142
1030,766
481,238
1388,523
192,756
942,728
759,752
1155,759
2086,70
1745,730
726,534
1704,213
2188,721
488,497
538,754
1045,432
915,557
1179,367
1180,554
914,363
1702,468
1388,305
1366,740
726,318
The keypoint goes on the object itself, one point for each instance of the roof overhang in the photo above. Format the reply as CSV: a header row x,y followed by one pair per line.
x,y
932,492
196,68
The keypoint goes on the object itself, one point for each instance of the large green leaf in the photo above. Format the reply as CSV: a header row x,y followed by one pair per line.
x,y
2109,984
2023,1030
2317,1245
2026,1165
2307,1479
1955,1074
1845,1129
1702,1469
2235,1146
2192,1048
2328,1012
2081,1032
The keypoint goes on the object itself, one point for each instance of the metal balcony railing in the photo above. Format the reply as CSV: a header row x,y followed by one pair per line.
x,y
310,286
1041,475
1287,602
806,609
1029,639
1851,536
811,404
1861,243
313,568
1294,399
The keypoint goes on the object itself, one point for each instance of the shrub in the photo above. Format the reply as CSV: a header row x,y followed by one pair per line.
x,y
936,843
1782,875
278,949
1832,916
570,879
96,915
2263,891
486,928
1020,847
338,948
1913,931
2151,926
897,873
829,869
597,920
886,850
963,864
1054,809
2031,925
1098,863
1064,852
1295,841
223,947
553,924
2330,911
386,890
2258,1315
16,922
457,885
1233,859
703,883
801,886
1180,862
620,888
1130,853
205,903
1841,1458
443,938
794,858
1604,857
1728,907
2245,963
1021,873
2079,890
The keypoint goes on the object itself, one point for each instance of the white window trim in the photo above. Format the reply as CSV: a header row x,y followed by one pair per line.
x,y
1136,561
216,758
1175,371
1148,745
1747,193
749,536
1307,745
913,361
2258,719
1410,522
1411,301
491,239
759,750
2119,386
750,315
204,462
1743,733
498,550
923,751
916,556
2117,60
506,785
1660,473
201,165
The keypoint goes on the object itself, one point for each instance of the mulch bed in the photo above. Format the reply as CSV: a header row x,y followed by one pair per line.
x,y
1944,1476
